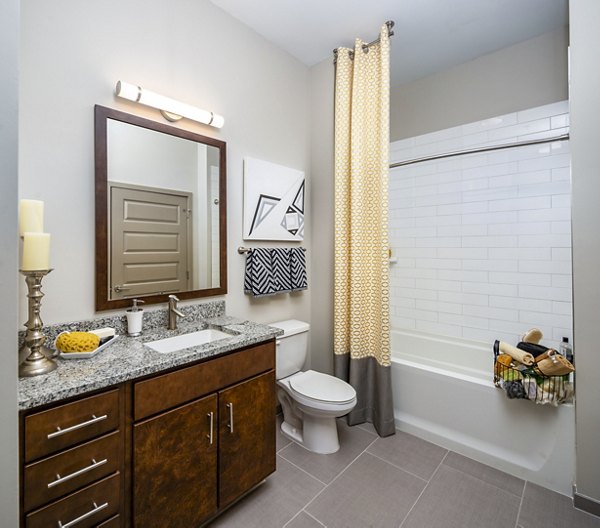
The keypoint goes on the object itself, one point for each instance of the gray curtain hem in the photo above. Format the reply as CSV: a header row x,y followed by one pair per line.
x,y
373,385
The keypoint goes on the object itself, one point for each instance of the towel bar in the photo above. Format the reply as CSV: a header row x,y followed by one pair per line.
x,y
241,250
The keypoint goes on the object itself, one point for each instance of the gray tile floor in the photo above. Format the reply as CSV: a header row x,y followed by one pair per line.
x,y
397,482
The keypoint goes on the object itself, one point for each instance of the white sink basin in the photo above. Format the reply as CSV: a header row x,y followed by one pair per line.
x,y
171,344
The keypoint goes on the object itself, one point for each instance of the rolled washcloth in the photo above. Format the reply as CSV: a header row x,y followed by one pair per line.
x,y
518,355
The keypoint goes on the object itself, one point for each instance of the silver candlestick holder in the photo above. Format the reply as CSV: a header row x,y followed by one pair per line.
x,y
38,358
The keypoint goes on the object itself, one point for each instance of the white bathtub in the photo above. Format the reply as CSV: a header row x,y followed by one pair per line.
x,y
443,392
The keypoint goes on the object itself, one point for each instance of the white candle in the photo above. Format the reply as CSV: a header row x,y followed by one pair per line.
x,y
36,251
31,216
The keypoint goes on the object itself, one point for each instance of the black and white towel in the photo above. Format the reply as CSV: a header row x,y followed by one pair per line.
x,y
298,269
270,271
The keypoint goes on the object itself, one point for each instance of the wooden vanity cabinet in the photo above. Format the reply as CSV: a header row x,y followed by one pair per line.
x,y
169,450
193,460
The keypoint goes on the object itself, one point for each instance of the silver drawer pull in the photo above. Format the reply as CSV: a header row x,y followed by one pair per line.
x,y
84,516
60,480
59,431
210,434
230,424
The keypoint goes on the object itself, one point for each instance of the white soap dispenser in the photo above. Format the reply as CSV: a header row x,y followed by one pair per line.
x,y
134,319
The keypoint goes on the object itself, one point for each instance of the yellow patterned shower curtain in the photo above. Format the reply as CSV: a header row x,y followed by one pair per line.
x,y
361,298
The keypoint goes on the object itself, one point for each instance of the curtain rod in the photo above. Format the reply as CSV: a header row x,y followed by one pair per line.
x,y
563,137
365,47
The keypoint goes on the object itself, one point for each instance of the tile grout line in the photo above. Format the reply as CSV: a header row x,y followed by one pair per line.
x,y
303,511
520,505
423,491
313,517
338,475
288,522
282,448
303,470
397,467
485,481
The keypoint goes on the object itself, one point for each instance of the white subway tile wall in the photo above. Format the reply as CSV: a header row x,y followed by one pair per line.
x,y
483,241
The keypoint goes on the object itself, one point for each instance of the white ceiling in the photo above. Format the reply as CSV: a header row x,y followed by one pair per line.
x,y
430,35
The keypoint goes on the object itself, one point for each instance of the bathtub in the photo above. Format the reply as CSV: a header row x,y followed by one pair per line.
x,y
444,393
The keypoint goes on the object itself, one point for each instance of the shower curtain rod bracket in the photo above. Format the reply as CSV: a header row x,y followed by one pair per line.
x,y
365,47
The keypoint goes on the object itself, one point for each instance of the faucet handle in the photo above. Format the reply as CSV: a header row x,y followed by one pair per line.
x,y
173,297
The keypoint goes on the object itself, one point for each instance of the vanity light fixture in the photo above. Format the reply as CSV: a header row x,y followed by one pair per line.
x,y
171,109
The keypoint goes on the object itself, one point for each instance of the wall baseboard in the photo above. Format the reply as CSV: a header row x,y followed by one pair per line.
x,y
586,504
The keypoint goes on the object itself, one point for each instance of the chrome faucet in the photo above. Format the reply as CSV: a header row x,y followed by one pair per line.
x,y
174,313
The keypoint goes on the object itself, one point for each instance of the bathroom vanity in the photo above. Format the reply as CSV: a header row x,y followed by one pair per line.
x,y
174,441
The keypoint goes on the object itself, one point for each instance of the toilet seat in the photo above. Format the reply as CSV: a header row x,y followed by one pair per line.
x,y
322,387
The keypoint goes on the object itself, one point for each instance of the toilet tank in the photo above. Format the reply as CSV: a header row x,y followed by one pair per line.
x,y
292,347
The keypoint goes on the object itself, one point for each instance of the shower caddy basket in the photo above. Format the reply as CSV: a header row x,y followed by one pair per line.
x,y
529,383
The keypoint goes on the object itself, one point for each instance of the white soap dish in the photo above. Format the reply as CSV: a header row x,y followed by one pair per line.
x,y
102,333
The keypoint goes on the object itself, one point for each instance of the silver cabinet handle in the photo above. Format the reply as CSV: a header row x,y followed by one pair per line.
x,y
118,288
210,434
60,480
94,419
84,516
230,424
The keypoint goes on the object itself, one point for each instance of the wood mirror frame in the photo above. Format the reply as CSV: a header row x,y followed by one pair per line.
x,y
102,115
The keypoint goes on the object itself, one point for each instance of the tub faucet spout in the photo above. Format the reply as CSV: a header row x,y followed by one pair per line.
x,y
174,313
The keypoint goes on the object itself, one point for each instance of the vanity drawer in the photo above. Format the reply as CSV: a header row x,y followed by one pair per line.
x,y
85,508
60,474
113,522
66,425
157,394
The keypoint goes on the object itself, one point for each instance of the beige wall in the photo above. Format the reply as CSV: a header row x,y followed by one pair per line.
x,y
321,196
73,53
585,109
528,74
9,41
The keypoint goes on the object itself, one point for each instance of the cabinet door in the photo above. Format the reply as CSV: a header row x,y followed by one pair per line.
x,y
175,466
246,435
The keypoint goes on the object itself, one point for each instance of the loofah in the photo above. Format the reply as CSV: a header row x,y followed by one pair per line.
x,y
533,336
516,354
77,342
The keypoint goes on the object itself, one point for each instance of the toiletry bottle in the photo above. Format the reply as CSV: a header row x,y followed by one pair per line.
x,y
134,319
566,349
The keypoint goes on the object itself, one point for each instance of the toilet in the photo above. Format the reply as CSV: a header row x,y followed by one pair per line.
x,y
311,401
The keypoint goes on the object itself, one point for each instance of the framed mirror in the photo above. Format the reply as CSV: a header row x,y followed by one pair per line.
x,y
161,211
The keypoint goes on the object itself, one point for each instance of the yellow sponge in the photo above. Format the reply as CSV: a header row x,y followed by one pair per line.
x,y
77,342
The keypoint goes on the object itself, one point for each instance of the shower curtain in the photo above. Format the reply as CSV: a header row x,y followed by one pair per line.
x,y
361,297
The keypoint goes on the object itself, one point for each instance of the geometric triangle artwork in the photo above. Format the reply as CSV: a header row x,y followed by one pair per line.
x,y
292,221
264,206
299,199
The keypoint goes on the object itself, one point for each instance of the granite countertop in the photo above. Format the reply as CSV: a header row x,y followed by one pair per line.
x,y
127,358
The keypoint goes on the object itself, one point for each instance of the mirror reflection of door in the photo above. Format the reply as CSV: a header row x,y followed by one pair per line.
x,y
151,241
155,182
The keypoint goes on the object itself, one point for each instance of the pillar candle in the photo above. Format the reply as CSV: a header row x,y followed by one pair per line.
x,y
31,216
36,251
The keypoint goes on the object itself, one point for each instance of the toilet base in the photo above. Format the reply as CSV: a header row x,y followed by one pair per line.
x,y
319,434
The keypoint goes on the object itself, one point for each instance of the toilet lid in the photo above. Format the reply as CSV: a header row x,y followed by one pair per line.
x,y
322,387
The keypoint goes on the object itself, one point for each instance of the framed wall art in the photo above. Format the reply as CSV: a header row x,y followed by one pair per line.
x,y
273,201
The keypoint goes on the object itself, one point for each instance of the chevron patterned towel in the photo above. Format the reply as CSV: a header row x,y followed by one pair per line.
x,y
298,269
270,271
